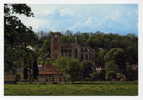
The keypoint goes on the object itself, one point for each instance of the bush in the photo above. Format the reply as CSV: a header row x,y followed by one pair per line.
x,y
111,76
120,77
98,76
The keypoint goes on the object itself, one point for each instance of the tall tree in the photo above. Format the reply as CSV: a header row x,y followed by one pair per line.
x,y
17,36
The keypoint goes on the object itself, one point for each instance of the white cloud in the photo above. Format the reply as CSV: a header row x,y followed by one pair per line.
x,y
32,21
43,10
43,13
114,15
66,12
90,20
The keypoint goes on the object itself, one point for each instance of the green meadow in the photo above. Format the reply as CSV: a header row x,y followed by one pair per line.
x,y
77,89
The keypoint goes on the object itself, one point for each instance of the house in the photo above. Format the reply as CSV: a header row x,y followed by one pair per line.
x,y
49,73
9,77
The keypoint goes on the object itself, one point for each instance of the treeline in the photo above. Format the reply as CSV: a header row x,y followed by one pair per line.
x,y
116,55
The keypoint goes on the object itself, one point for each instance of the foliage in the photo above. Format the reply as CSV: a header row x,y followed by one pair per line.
x,y
115,61
70,67
35,70
87,69
17,38
111,66
25,74
120,77
132,74
98,76
111,75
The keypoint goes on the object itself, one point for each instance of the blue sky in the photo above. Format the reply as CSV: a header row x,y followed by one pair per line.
x,y
115,18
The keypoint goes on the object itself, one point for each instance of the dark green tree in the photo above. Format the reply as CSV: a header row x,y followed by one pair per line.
x,y
117,56
70,67
17,37
35,70
87,69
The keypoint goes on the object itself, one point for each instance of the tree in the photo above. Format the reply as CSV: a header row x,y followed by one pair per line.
x,y
74,70
98,76
44,51
111,75
114,62
87,69
16,33
111,66
70,67
99,59
25,74
35,70
111,69
116,57
17,37
132,74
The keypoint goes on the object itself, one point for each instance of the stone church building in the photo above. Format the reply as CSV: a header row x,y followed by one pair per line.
x,y
74,50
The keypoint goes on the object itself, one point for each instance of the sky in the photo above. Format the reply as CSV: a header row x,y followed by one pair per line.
x,y
108,18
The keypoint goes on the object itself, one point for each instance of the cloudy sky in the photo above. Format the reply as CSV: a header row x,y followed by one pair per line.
x,y
113,18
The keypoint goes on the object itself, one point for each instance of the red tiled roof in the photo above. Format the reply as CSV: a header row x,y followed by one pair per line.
x,y
48,69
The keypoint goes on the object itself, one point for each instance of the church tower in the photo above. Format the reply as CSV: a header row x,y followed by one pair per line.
x,y
55,45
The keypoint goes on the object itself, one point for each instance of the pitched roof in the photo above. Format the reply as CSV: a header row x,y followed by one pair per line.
x,y
48,69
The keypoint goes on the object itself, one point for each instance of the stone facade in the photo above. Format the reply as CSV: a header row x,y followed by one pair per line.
x,y
55,46
74,50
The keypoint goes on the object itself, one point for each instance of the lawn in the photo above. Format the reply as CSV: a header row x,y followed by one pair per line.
x,y
94,89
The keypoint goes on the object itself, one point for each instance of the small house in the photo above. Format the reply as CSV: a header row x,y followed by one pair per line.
x,y
49,73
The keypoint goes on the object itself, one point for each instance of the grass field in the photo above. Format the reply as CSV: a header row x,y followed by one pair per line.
x,y
94,89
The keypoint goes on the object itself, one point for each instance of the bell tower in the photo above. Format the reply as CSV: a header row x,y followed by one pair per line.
x,y
55,45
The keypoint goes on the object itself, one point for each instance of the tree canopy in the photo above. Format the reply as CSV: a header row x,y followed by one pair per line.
x,y
17,38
